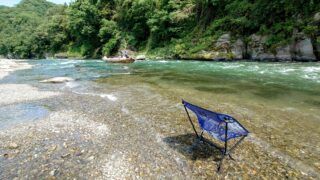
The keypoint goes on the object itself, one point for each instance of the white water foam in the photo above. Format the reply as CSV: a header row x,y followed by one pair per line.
x,y
72,84
312,69
311,77
163,61
69,62
127,73
111,97
232,66
286,71
125,110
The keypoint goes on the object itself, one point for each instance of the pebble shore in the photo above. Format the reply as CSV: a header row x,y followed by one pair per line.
x,y
83,136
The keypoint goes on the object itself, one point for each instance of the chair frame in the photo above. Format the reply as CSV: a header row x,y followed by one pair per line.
x,y
224,151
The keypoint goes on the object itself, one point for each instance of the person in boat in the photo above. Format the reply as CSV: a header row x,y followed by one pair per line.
x,y
124,53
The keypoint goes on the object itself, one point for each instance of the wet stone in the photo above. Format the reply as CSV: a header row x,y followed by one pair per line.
x,y
79,153
51,178
13,145
65,155
54,172
91,158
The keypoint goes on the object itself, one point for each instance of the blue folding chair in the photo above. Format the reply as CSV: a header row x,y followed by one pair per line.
x,y
220,126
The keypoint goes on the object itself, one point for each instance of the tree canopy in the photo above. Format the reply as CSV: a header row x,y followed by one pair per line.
x,y
91,28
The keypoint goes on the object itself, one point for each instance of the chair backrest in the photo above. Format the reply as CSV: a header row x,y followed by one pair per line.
x,y
215,123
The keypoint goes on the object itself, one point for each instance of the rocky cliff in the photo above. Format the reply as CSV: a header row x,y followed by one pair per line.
x,y
300,48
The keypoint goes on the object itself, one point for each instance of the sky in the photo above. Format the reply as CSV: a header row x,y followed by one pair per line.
x,y
13,2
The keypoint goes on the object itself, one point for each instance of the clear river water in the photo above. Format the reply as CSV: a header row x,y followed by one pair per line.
x,y
279,103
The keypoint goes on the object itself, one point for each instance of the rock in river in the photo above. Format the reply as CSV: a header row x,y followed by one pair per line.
x,y
140,57
13,146
57,80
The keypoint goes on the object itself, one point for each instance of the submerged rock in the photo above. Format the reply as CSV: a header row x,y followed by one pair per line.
x,y
57,80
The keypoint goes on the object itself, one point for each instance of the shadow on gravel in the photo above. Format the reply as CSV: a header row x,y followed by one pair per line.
x,y
189,146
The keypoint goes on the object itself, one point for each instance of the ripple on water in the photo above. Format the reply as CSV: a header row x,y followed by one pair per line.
x,y
111,97
14,114
219,90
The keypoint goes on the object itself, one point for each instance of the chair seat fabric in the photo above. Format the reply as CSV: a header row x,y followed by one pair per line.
x,y
215,123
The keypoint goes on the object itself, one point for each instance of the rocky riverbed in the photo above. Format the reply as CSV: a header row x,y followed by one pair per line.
x,y
75,133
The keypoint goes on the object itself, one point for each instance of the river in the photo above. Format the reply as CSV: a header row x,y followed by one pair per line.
x,y
278,102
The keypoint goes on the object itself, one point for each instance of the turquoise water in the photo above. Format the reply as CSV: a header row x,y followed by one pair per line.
x,y
292,85
278,102
286,76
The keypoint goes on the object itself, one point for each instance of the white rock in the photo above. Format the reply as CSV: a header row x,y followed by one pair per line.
x,y
57,80
53,172
304,50
91,158
140,57
238,49
258,52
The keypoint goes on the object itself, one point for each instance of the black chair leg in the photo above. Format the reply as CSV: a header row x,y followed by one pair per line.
x,y
220,163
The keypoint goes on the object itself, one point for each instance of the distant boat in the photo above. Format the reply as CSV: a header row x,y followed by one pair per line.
x,y
118,59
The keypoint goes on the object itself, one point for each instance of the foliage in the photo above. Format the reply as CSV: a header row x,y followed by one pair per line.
x,y
94,28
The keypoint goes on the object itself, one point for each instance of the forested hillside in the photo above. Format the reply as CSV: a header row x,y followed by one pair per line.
x,y
167,28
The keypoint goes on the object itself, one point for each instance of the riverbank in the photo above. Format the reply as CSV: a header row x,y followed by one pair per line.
x,y
103,128
10,65
196,57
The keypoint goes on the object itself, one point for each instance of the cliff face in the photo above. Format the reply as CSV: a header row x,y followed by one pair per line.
x,y
299,41
299,49
300,46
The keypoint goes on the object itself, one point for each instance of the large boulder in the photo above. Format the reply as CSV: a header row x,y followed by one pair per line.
x,y
57,80
303,50
238,49
222,49
283,53
257,48
223,42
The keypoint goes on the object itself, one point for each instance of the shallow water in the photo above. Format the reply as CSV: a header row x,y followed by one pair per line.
x,y
278,102
11,115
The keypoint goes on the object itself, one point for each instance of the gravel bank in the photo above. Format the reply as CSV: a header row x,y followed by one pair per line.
x,y
10,65
85,135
